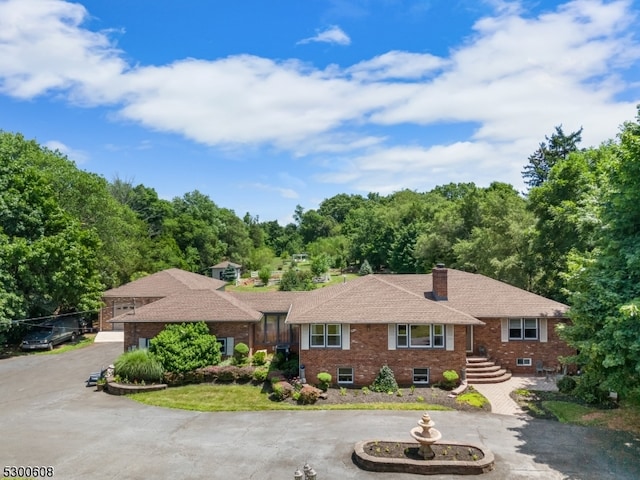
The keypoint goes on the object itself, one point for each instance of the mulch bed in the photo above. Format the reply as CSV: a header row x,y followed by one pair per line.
x,y
429,395
410,451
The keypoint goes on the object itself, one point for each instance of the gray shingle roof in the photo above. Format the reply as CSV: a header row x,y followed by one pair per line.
x,y
165,283
368,299
193,306
373,299
483,297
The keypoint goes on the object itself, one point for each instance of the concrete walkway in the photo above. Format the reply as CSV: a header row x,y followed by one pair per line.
x,y
498,393
105,337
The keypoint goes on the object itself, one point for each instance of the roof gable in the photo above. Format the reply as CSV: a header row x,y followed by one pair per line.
x,y
193,306
165,283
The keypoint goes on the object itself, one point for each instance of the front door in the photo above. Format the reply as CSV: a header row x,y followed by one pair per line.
x,y
469,329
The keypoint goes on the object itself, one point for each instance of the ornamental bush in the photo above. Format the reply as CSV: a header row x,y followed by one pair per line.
x,y
185,347
450,380
566,384
308,395
324,380
385,381
138,366
241,354
259,358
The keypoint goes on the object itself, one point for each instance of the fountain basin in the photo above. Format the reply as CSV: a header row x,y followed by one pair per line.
x,y
464,464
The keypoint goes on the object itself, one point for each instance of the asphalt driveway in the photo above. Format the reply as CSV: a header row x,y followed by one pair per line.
x,y
49,418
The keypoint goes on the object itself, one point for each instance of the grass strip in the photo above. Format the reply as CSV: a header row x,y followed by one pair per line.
x,y
236,398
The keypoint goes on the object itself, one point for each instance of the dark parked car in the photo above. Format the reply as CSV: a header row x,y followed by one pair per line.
x,y
52,333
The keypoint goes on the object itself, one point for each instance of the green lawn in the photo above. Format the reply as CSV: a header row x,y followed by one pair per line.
x,y
335,279
229,398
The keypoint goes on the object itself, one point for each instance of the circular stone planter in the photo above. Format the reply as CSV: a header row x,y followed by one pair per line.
x,y
126,388
410,464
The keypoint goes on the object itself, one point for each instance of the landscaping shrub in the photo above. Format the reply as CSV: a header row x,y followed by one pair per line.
x,y
244,374
209,374
185,347
450,381
385,381
173,379
281,391
241,354
259,358
260,374
228,374
566,384
308,395
324,380
138,366
290,368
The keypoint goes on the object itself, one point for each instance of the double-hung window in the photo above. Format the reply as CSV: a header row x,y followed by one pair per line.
x,y
420,336
345,375
523,329
326,335
420,375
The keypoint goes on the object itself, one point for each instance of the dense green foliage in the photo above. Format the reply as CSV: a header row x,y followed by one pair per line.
x,y
604,282
185,347
138,366
66,234
293,279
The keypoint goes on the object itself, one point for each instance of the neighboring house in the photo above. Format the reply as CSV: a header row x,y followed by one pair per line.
x,y
217,271
419,325
133,295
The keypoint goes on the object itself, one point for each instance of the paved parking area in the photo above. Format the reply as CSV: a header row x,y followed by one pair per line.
x,y
48,417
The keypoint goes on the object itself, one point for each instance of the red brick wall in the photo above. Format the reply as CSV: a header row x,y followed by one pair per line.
x,y
506,353
241,332
369,352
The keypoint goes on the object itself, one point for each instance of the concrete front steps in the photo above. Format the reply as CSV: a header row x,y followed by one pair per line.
x,y
483,370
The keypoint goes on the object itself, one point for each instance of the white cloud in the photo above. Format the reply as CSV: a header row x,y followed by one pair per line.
x,y
44,48
397,65
333,34
283,192
78,156
513,79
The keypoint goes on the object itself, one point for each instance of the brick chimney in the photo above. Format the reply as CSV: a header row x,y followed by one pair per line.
x,y
439,278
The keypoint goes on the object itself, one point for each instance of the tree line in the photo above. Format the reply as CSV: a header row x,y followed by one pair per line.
x,y
66,235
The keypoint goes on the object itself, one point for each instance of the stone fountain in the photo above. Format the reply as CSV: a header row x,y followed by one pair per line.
x,y
426,436
428,456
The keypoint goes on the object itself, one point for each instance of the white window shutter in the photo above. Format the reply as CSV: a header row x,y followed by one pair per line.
x,y
391,340
304,337
505,329
230,345
449,332
542,325
346,336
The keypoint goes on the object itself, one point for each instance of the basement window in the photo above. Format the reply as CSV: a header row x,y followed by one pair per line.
x,y
523,362
420,376
345,375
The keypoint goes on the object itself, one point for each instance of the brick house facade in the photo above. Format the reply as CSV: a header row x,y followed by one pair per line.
x,y
418,325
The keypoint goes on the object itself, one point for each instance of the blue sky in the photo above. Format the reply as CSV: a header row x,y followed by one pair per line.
x,y
265,105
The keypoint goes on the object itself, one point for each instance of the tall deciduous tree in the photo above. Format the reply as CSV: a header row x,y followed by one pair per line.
x,y
604,284
48,259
